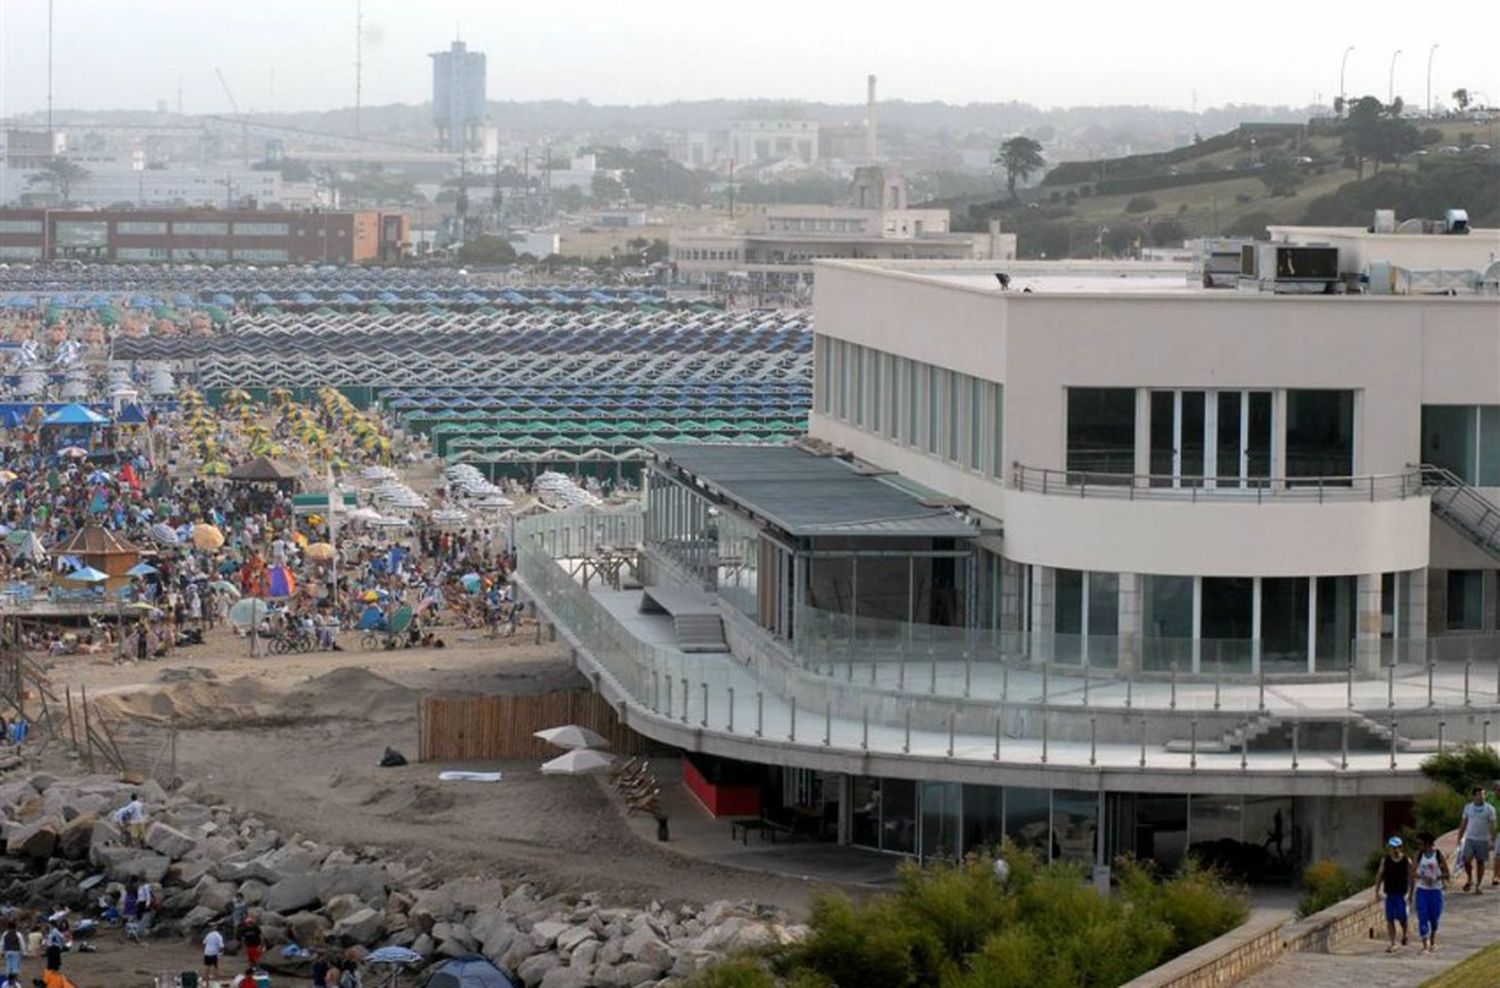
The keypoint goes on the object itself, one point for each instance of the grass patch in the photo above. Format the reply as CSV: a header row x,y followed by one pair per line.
x,y
1482,970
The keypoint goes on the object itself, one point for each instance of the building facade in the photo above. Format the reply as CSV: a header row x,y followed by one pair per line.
x,y
201,236
458,97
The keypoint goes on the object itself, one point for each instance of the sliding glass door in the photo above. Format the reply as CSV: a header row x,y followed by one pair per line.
x,y
1210,438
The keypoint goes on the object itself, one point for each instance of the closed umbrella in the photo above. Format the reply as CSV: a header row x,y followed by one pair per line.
x,y
248,611
572,736
206,536
579,761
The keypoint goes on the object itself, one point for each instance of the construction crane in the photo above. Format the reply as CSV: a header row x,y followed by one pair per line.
x,y
235,106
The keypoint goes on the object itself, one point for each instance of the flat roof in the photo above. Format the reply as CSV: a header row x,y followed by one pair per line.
x,y
806,495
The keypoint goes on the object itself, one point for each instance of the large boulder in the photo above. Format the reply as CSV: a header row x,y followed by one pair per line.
x,y
308,929
363,927
546,932
32,840
625,975
534,969
570,938
75,838
567,977
644,945
369,882
129,864
168,840
292,894
343,905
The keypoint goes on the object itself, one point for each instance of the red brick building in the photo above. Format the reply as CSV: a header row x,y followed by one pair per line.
x,y
210,236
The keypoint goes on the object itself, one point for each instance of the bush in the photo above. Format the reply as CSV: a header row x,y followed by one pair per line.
x,y
1462,769
1141,204
1438,809
954,926
1323,884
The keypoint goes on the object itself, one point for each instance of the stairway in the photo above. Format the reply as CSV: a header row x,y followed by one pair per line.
x,y
700,632
1232,740
1461,505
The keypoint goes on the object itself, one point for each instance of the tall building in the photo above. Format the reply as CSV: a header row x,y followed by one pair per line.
x,y
458,97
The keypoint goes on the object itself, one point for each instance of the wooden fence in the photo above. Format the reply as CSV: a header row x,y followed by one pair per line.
x,y
462,728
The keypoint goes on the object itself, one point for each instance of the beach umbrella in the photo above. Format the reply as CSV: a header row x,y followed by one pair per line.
x,y
471,582
162,532
579,761
214,468
572,736
206,536
249,611
319,551
224,586
73,452
141,569
393,955
281,582
87,574
6,476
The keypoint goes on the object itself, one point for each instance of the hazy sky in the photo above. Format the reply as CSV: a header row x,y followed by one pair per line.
x,y
131,53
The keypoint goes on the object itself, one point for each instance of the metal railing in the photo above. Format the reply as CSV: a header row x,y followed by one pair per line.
x,y
1192,488
1458,502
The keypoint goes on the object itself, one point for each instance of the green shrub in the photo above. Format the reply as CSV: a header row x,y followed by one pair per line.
x,y
1438,809
734,973
1141,204
1461,769
1199,904
1323,884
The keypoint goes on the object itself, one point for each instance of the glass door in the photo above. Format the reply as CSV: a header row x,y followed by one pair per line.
x,y
1242,452
1180,439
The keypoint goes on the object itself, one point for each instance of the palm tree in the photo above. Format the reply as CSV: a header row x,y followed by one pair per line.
x,y
59,174
1019,156
1461,97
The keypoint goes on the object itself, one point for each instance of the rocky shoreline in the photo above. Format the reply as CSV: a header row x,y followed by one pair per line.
x,y
57,834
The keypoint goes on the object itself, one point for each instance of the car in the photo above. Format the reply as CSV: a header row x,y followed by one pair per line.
x,y
1479,148
1451,150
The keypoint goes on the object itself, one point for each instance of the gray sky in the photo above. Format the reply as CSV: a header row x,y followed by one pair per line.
x,y
131,53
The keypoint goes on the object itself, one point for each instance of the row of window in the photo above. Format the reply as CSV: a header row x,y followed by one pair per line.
x,y
946,414
20,226
704,254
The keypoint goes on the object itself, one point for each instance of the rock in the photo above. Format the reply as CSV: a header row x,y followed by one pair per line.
x,y
567,977
341,906
472,894
216,896
136,866
292,893
423,945
188,872
534,969
75,838
104,832
308,929
454,933
43,781
452,948
644,945
169,840
626,975
521,948
584,954
32,840
197,918
690,962
362,927
254,891
546,932
369,882
572,937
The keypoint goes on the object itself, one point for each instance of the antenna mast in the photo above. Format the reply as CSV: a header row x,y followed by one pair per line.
x,y
359,64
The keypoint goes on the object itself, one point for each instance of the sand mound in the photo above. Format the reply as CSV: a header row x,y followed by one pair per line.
x,y
206,703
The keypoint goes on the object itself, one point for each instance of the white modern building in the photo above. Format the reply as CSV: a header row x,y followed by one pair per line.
x,y
754,141
1090,556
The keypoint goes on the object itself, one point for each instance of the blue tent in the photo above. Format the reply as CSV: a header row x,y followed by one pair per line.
x,y
75,414
132,415
223,299
472,971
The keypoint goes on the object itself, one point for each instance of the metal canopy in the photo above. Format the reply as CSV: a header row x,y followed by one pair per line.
x,y
807,495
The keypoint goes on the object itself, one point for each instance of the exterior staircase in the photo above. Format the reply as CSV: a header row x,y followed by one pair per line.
x,y
1462,506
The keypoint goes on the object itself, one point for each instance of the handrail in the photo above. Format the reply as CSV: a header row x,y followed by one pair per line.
x,y
1193,488
1457,500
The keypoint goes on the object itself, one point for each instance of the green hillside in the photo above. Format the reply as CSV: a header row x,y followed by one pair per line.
x,y
1237,183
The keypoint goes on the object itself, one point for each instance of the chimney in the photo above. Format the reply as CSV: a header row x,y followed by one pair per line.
x,y
871,145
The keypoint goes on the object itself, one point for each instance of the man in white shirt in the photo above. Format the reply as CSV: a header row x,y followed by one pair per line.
x,y
132,816
213,948
1476,832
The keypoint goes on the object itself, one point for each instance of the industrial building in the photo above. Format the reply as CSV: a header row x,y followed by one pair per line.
x,y
1091,556
211,236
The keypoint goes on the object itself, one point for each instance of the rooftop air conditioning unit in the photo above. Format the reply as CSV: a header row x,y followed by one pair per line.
x,y
1289,269
1385,221
1456,221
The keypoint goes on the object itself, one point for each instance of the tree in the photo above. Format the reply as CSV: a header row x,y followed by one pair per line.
x,y
487,250
59,174
1019,156
1281,177
606,190
1397,105
1338,106
1461,97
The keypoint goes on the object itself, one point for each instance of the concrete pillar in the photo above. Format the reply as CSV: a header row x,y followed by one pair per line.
x,y
1043,602
1487,579
1132,621
1414,620
1367,621
1278,433
1142,432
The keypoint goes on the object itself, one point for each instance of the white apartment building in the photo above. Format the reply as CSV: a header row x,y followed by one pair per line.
x,y
1086,555
756,141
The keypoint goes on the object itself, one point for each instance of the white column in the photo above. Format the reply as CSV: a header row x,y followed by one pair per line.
x,y
1255,636
1312,624
1413,624
1043,602
1197,623
1367,622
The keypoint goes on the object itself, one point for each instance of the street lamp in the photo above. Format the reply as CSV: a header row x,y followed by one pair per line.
x,y
1343,63
1390,92
1430,52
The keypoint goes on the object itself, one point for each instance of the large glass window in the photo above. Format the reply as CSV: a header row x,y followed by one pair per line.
x,y
1101,431
269,254
1319,434
1152,828
1027,812
976,422
898,821
1104,618
140,228
984,818
1227,621
1336,615
1448,439
20,252
200,229
997,436
1283,621
82,233
1217,827
142,253
1465,599
1075,825
1167,610
260,229
20,226
200,254
941,820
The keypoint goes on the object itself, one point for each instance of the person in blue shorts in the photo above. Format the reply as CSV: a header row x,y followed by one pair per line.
x,y
1395,881
1430,876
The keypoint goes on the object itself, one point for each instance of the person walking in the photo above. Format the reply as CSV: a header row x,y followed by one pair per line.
x,y
1393,879
132,816
1431,877
12,947
213,948
1476,832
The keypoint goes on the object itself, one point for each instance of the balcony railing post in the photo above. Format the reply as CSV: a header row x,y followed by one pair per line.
x,y
1044,735
1172,701
1143,742
864,728
932,679
1349,684
1193,743
952,729
906,741
1093,740
1261,678
1129,689
792,735
1218,681
1085,682
1390,684
1245,745
669,697
703,721
1484,734
1468,669
1296,732
730,725
827,723
1442,729
1431,666
1045,677
1393,744
999,717
968,672
1344,745
760,713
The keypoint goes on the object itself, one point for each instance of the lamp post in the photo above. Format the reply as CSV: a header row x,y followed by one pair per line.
x,y
1343,63
1390,91
1430,52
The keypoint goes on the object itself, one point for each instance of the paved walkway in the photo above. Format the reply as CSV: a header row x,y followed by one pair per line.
x,y
1469,923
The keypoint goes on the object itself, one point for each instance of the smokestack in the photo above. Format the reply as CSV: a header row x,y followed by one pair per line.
x,y
871,144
